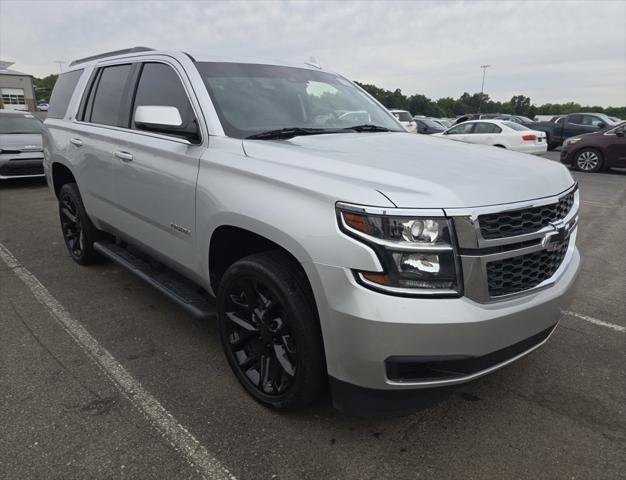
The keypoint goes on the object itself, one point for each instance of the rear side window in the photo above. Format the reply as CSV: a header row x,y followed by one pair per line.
x,y
159,85
516,126
62,93
107,105
484,127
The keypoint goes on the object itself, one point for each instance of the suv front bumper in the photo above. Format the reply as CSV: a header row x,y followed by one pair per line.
x,y
21,165
366,331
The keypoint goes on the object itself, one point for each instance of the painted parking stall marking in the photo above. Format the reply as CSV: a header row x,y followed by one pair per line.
x,y
176,434
595,321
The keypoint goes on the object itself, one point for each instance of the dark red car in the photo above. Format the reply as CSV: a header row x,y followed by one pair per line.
x,y
596,151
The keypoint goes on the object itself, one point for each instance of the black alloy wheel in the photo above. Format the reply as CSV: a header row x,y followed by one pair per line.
x,y
78,231
270,331
259,337
72,226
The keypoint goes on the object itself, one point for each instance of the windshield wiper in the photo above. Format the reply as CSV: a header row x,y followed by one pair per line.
x,y
368,128
290,132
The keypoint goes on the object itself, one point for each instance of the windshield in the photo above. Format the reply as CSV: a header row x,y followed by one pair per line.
x,y
251,98
431,123
615,127
515,126
19,123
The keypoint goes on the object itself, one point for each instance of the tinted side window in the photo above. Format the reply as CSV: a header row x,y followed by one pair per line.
x,y
107,106
160,85
592,120
62,93
577,119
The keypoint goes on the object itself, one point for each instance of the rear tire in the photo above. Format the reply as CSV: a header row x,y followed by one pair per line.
x,y
78,231
270,331
588,160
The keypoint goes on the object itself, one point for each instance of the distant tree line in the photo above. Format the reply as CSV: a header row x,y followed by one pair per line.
x,y
466,103
422,105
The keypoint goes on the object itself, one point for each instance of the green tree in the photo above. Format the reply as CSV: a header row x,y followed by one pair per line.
x,y
520,104
43,86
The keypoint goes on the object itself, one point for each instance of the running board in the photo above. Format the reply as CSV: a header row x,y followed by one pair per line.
x,y
179,289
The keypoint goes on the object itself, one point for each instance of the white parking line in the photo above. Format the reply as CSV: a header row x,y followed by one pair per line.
x,y
595,321
176,434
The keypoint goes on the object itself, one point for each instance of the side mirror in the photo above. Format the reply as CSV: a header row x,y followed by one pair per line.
x,y
620,132
601,125
166,120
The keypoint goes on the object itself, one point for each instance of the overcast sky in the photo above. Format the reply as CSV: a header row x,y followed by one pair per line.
x,y
551,51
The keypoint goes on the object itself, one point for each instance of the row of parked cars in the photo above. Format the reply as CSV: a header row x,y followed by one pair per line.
x,y
588,141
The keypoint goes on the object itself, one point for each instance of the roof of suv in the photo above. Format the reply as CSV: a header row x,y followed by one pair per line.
x,y
143,51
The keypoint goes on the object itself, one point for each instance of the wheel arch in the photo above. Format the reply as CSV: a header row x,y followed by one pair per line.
x,y
232,241
61,175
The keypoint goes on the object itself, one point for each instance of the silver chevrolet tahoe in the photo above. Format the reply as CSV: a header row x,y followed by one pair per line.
x,y
335,249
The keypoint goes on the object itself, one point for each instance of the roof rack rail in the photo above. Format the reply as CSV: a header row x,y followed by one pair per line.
x,y
111,54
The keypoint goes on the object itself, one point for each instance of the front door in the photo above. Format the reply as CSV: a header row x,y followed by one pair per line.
x,y
155,174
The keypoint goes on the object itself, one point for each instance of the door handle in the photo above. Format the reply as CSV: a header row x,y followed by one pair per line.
x,y
127,157
76,141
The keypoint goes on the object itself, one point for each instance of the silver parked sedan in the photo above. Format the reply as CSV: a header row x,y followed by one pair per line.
x,y
21,153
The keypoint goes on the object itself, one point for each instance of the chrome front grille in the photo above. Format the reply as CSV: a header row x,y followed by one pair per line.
x,y
518,222
515,249
517,274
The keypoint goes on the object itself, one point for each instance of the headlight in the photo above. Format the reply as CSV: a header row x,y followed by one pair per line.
x,y
417,253
571,141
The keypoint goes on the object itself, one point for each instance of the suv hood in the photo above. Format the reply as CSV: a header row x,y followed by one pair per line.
x,y
415,171
19,141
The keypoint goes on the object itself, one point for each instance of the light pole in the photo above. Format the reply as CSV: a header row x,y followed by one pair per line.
x,y
482,87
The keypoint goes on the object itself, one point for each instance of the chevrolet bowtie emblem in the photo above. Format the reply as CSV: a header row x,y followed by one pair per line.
x,y
553,240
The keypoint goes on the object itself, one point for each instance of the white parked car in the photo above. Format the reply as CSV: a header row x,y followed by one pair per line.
x,y
42,107
498,133
406,120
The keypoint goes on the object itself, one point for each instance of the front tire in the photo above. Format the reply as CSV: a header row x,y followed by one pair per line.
x,y
270,331
588,160
78,231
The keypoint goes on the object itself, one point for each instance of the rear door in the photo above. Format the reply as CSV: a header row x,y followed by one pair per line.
x,y
95,138
155,174
486,133
578,124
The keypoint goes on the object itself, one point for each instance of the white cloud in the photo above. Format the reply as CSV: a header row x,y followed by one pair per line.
x,y
551,51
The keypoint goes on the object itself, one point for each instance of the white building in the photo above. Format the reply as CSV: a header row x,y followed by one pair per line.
x,y
16,89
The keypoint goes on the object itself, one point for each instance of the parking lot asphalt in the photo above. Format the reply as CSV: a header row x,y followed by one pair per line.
x,y
558,413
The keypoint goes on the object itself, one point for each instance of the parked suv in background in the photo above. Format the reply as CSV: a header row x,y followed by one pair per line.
x,y
573,124
355,255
